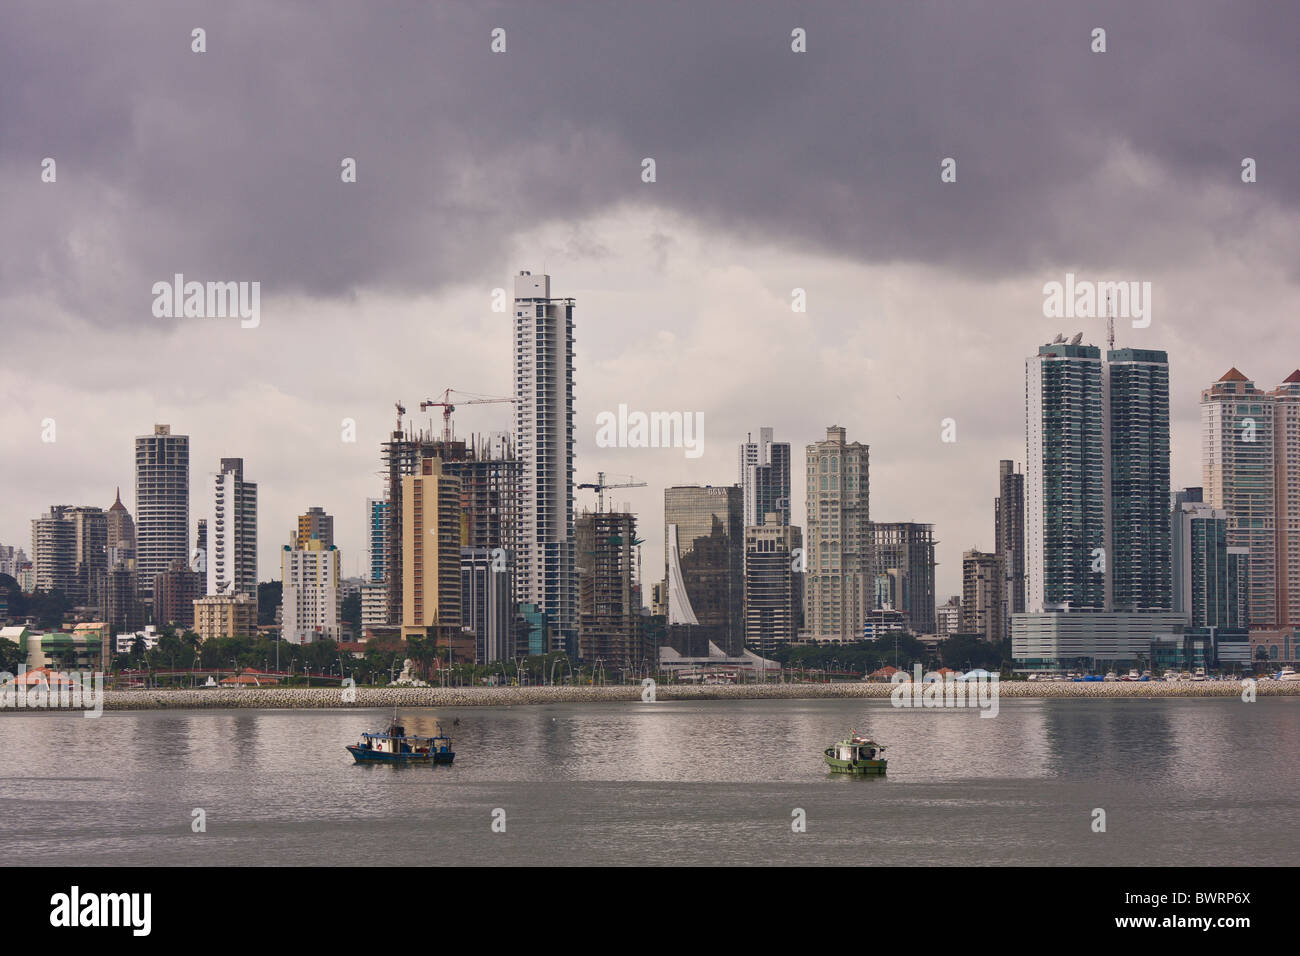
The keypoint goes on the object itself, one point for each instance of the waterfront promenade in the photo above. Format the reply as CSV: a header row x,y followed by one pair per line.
x,y
362,697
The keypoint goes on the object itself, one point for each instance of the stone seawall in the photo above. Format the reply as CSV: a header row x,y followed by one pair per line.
x,y
282,698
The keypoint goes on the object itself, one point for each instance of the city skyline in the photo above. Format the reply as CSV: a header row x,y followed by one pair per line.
x,y
922,296
355,558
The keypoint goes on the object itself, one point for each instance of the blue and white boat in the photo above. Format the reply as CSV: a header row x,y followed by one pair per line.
x,y
395,746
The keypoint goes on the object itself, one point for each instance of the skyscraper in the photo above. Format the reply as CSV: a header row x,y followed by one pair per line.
x,y
162,504
1211,579
543,353
704,558
908,548
487,605
765,478
983,610
1286,491
376,540
609,613
840,580
431,555
1139,557
771,584
1066,486
54,551
232,551
1097,531
1238,474
1009,533
310,579
121,529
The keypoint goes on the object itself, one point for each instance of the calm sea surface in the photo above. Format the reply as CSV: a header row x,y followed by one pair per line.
x,y
671,783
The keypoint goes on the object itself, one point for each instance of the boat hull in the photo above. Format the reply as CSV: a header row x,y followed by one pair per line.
x,y
862,768
362,755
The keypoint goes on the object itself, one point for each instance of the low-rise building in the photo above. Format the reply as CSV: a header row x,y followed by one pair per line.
x,y
225,615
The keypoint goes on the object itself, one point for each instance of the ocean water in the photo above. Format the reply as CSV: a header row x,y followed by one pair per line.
x,y
1180,782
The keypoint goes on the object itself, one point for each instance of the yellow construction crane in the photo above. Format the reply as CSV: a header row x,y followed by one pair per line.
x,y
599,487
448,406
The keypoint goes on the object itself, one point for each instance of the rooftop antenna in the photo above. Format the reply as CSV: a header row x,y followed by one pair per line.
x,y
1110,324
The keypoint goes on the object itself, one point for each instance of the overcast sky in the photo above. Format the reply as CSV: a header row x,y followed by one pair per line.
x,y
775,170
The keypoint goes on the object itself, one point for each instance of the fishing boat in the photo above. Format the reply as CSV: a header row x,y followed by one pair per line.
x,y
395,746
856,755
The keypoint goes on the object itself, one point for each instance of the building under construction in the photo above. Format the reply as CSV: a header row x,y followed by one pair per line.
x,y
489,474
609,600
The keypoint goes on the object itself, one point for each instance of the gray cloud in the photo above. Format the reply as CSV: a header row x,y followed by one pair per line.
x,y
227,163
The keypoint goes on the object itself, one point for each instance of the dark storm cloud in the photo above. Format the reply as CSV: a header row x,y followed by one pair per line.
x,y
226,164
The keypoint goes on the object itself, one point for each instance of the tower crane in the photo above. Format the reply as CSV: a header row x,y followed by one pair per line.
x,y
600,485
448,406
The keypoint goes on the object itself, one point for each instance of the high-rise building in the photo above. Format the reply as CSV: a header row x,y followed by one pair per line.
x,y
543,353
315,523
121,529
1239,474
840,579
704,557
199,556
764,479
232,551
983,605
487,604
431,559
1139,551
1211,579
12,560
908,548
489,475
122,610
772,589
1098,581
1066,486
609,611
1009,533
174,594
162,504
1286,490
90,559
376,539
54,551
310,595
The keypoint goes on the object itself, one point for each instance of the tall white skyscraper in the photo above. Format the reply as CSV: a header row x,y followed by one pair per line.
x,y
162,504
840,584
543,350
1238,473
232,535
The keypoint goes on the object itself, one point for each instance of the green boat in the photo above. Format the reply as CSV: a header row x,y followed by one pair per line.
x,y
856,755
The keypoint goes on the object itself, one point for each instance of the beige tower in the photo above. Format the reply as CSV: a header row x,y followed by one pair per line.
x,y
839,547
431,539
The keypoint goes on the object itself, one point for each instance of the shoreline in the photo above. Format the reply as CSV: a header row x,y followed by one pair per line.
x,y
273,698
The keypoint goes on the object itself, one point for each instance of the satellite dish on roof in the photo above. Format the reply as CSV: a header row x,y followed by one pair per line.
x,y
1078,337
1059,339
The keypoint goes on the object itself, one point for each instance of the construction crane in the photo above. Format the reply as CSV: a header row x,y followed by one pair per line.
x,y
448,406
599,487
